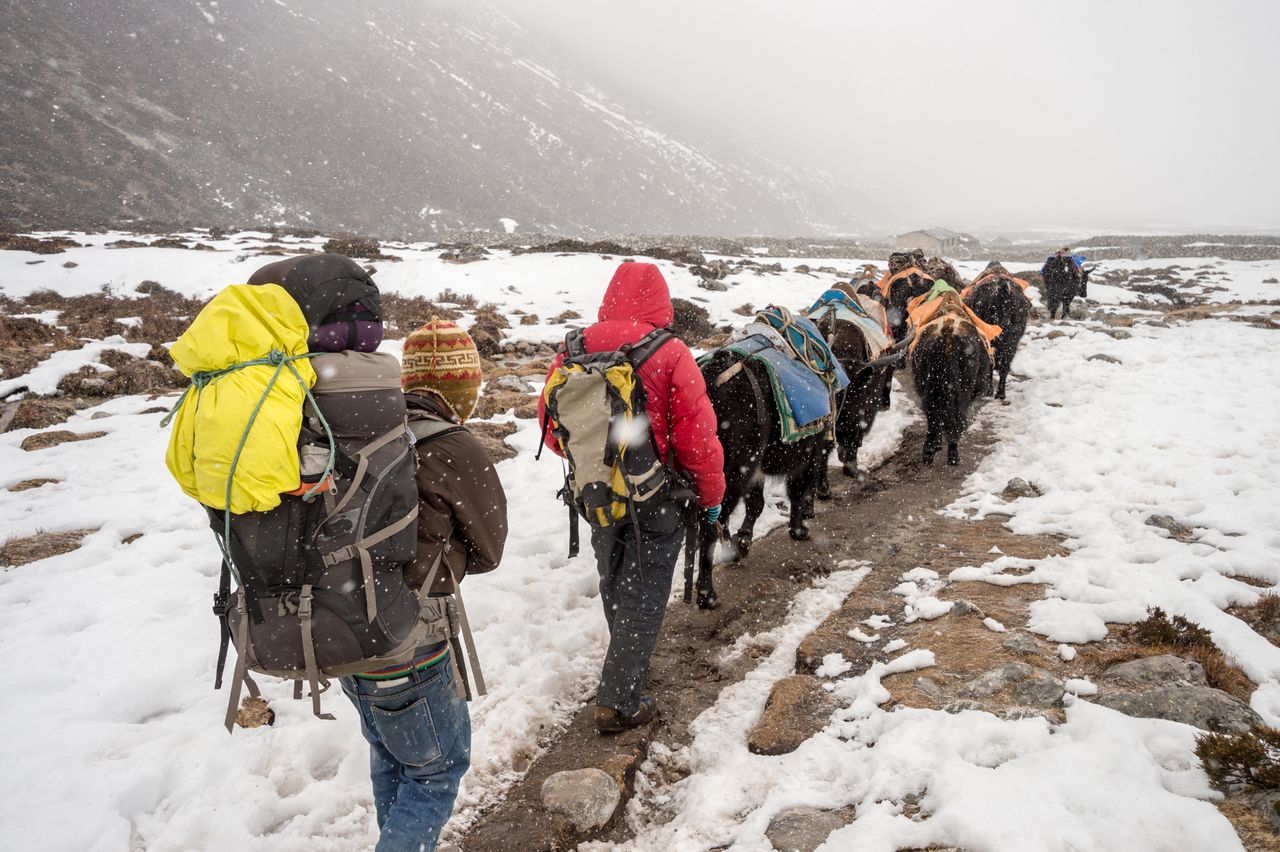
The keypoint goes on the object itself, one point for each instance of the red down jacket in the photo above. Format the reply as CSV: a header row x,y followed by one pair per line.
x,y
636,302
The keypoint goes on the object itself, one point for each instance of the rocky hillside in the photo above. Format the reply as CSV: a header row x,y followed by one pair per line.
x,y
386,116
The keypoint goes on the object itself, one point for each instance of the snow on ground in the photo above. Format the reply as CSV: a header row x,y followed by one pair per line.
x,y
1185,426
135,719
116,643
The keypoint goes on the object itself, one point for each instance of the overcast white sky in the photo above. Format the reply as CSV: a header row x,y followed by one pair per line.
x,y
986,113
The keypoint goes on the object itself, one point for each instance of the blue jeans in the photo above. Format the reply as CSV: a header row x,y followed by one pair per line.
x,y
419,735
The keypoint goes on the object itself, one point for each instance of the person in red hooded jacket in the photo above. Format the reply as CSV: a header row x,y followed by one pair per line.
x,y
637,566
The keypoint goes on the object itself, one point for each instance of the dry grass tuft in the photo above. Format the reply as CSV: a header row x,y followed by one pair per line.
x,y
28,484
450,297
42,545
44,440
401,314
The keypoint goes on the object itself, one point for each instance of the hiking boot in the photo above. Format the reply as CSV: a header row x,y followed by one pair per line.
x,y
610,721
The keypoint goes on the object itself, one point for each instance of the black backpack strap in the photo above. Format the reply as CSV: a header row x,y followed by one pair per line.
x,y
425,427
646,347
575,344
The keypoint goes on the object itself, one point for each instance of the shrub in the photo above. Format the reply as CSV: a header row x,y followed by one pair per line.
x,y
1159,629
1251,759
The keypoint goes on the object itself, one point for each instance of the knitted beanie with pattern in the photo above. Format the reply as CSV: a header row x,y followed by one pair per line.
x,y
441,358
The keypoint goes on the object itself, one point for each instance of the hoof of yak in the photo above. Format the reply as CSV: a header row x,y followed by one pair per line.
x,y
742,544
800,533
850,470
708,600
824,493
999,394
809,513
953,456
928,458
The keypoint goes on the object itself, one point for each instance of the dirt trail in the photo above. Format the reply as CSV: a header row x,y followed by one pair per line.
x,y
880,520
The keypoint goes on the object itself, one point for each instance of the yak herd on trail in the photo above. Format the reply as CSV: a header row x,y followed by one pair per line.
x,y
956,338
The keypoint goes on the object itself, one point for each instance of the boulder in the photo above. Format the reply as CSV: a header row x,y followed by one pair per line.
x,y
581,800
964,607
797,708
1019,487
1023,644
1163,670
1027,685
713,285
1200,706
510,383
801,829
1106,359
1169,687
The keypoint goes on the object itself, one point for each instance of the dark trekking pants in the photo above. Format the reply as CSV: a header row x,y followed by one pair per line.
x,y
635,584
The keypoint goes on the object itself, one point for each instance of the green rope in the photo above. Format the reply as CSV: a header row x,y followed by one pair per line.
x,y
274,358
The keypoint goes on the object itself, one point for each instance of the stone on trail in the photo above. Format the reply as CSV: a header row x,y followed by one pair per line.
x,y
1203,707
1169,687
582,800
801,829
1023,644
966,607
1027,684
1106,359
510,383
797,708
1019,487
1163,670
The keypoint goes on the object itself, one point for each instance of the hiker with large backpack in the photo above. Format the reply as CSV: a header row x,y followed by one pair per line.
x,y
412,714
295,436
625,405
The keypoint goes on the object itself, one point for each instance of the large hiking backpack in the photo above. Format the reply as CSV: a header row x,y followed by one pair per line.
x,y
595,409
321,582
305,465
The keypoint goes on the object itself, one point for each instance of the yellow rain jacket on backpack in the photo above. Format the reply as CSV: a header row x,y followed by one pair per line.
x,y
242,323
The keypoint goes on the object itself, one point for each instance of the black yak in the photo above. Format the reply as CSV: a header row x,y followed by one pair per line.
x,y
751,434
998,299
950,368
1063,281
750,431
857,404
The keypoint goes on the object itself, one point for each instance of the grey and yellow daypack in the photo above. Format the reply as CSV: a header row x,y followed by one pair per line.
x,y
595,409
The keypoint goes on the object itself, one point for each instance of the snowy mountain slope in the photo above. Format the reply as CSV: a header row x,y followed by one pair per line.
x,y
390,117
131,716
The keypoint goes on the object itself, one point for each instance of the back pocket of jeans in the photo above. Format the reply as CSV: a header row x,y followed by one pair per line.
x,y
409,734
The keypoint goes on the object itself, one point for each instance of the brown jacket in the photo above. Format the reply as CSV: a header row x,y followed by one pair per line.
x,y
460,501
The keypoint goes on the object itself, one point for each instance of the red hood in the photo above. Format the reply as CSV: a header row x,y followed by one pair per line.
x,y
638,292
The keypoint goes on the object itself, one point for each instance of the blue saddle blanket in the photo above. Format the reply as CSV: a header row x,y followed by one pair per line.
x,y
805,396
850,309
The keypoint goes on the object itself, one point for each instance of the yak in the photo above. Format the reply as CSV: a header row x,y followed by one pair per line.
x,y
1062,283
950,368
750,430
997,299
857,404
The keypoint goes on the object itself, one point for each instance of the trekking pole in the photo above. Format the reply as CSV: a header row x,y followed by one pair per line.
x,y
690,548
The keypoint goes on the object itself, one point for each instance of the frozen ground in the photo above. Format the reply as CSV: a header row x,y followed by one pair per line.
x,y
115,740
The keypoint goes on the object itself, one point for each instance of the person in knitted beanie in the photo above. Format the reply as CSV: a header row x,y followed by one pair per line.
x,y
417,724
440,359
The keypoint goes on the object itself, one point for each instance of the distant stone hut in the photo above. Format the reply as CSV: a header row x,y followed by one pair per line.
x,y
940,242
